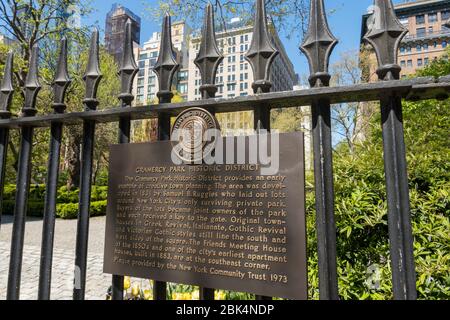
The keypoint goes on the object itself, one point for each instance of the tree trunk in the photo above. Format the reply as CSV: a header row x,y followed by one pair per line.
x,y
73,160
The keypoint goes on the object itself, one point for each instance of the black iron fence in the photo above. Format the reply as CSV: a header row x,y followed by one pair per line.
x,y
384,36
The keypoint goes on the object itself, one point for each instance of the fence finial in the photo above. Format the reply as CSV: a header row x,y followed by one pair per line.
x,y
6,88
209,56
385,35
93,75
62,79
129,68
32,85
318,45
261,53
167,65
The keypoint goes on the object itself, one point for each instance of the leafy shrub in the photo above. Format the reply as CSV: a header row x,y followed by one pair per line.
x,y
67,210
67,201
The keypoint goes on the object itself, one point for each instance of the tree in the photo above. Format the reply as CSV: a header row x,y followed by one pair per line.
x,y
44,23
350,120
30,22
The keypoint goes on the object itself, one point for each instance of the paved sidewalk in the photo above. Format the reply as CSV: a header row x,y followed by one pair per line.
x,y
62,276
63,259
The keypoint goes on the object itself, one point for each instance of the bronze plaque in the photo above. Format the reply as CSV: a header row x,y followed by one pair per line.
x,y
222,226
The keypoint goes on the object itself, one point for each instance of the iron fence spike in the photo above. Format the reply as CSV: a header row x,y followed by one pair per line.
x,y
6,88
32,85
384,35
129,68
318,45
209,56
93,74
62,79
167,65
262,52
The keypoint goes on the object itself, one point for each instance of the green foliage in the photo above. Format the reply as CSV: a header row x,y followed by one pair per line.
x,y
67,201
361,210
70,210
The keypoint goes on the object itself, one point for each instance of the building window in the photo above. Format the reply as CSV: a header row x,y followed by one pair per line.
x,y
427,61
419,48
432,17
403,63
444,44
140,98
402,49
403,19
409,63
141,73
151,80
140,82
445,15
142,56
408,49
425,46
420,19
182,76
419,62
151,88
421,32
182,88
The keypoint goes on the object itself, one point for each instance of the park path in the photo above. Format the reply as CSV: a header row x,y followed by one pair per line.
x,y
63,259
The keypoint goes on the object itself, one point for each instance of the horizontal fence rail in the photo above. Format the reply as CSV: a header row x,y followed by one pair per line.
x,y
422,88
317,46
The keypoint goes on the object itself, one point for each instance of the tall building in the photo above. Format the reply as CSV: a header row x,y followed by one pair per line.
x,y
115,29
235,76
146,83
427,37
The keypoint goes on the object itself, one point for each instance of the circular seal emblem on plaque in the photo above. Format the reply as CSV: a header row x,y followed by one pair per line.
x,y
194,134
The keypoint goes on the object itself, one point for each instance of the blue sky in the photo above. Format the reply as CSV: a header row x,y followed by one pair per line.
x,y
344,20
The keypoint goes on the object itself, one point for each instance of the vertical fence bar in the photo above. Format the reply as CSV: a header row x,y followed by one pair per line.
x,y
92,79
128,71
60,85
32,87
261,55
317,46
207,61
385,35
165,68
6,94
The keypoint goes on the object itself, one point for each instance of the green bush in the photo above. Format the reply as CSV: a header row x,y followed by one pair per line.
x,y
67,201
67,210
